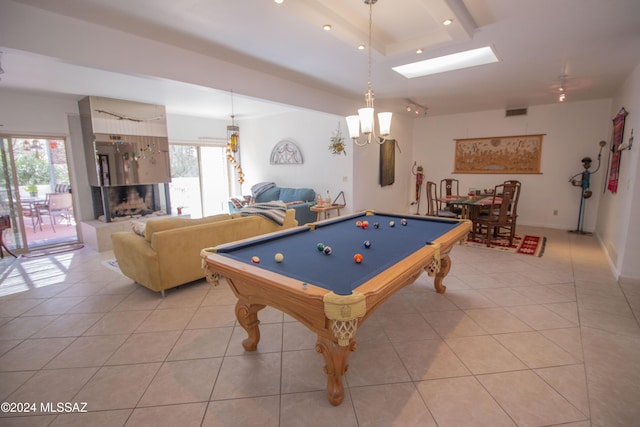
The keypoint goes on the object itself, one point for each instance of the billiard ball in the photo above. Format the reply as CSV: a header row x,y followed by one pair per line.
x,y
365,224
255,260
279,257
403,221
376,225
327,250
367,244
357,258
320,246
358,223
392,224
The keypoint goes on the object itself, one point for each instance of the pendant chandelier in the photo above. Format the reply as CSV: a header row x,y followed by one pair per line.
x,y
365,118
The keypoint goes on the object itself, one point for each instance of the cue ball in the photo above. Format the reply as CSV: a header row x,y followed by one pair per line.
x,y
403,221
367,244
327,250
357,258
320,246
279,257
392,224
255,260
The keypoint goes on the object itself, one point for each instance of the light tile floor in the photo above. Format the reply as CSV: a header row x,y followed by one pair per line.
x,y
515,341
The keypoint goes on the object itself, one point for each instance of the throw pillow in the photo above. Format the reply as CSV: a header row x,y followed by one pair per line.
x,y
138,227
237,203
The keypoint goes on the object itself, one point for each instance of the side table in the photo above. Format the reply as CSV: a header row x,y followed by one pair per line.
x,y
326,210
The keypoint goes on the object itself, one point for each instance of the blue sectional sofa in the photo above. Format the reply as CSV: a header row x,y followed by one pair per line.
x,y
298,199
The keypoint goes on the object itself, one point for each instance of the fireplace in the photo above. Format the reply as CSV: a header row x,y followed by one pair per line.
x,y
130,201
127,156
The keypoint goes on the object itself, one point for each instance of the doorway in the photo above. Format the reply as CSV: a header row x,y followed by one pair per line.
x,y
200,179
35,193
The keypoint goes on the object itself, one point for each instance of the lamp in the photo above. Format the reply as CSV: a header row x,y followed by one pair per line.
x,y
364,120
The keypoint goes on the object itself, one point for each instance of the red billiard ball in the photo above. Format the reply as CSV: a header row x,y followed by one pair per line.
x,y
255,260
357,258
365,224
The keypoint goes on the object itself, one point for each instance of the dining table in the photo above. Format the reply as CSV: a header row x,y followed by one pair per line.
x,y
471,205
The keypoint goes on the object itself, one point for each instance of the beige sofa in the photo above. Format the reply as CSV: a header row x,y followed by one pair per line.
x,y
167,253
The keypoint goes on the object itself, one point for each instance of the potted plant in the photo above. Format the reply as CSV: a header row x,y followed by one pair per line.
x,y
336,145
32,189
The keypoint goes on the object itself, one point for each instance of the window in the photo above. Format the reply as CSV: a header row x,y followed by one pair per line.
x,y
199,179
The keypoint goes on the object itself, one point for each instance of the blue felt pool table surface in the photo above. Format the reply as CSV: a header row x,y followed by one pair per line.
x,y
338,271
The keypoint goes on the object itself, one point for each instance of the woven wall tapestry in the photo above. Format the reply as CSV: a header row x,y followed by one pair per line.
x,y
499,154
616,140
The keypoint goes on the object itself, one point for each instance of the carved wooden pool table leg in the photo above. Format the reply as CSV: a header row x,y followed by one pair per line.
x,y
335,359
247,315
445,266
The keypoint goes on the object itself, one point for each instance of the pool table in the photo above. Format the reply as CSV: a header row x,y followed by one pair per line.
x,y
332,294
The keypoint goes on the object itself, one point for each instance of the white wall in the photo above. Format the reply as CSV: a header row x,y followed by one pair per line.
x,y
368,194
311,132
194,129
572,131
618,226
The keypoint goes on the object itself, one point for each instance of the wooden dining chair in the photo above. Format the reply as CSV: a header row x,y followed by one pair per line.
x,y
450,187
502,214
433,203
518,185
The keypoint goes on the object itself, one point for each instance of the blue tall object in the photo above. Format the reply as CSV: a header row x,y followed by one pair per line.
x,y
584,183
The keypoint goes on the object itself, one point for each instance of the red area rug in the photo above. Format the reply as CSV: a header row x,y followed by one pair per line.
x,y
526,245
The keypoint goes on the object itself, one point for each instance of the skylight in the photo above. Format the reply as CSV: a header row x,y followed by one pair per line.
x,y
455,61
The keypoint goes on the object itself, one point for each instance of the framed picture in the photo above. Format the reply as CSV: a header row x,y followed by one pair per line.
x,y
499,154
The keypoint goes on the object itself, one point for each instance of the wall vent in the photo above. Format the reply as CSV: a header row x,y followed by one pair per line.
x,y
516,112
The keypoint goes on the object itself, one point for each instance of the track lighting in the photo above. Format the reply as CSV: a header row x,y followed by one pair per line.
x,y
415,108
563,91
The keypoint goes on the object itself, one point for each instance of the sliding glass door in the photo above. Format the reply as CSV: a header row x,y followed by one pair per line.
x,y
199,179
31,169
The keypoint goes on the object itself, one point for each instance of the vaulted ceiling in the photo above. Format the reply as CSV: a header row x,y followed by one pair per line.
x,y
594,43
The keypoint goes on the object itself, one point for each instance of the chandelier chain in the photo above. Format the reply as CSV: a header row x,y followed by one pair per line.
x,y
369,46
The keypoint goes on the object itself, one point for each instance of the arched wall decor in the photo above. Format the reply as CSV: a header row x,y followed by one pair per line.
x,y
285,152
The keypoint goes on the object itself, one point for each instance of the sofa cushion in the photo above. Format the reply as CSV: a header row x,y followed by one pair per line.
x,y
288,195
139,227
268,195
157,225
